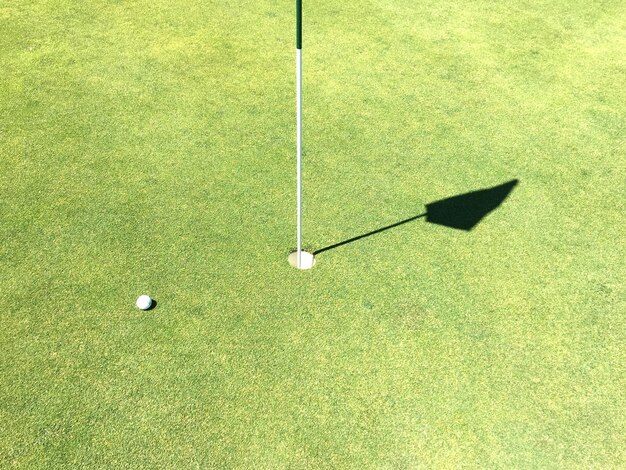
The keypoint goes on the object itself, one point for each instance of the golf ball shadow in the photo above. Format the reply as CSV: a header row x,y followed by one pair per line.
x,y
152,306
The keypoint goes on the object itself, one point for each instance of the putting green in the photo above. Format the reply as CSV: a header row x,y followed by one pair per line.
x,y
149,147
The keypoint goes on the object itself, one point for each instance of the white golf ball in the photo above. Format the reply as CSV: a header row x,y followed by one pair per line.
x,y
144,302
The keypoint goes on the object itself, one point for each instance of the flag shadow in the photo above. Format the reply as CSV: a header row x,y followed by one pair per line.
x,y
462,212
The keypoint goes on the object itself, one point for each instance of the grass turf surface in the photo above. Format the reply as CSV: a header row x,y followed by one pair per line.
x,y
149,147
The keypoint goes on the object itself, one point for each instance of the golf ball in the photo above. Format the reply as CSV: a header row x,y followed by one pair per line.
x,y
144,302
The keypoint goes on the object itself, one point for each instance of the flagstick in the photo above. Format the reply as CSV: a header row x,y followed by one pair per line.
x,y
299,259
299,125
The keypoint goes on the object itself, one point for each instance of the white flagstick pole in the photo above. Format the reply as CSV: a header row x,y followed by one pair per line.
x,y
299,125
300,259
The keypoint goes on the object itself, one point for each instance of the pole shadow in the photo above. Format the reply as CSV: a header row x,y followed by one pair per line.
x,y
462,212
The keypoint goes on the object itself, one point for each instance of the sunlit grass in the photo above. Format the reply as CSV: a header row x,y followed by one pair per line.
x,y
148,147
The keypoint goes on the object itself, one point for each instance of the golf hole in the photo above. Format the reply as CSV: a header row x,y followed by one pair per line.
x,y
307,260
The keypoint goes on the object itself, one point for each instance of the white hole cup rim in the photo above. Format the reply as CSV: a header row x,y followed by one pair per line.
x,y
307,260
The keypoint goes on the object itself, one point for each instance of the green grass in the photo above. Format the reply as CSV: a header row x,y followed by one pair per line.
x,y
148,147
